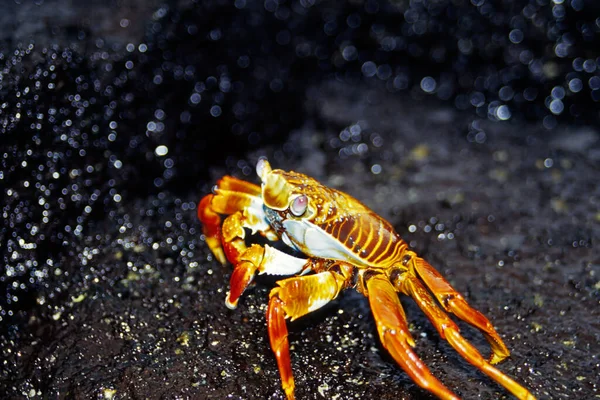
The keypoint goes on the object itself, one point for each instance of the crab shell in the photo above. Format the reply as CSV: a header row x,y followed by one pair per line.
x,y
333,225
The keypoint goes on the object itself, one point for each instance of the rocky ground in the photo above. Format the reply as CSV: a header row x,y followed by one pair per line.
x,y
111,132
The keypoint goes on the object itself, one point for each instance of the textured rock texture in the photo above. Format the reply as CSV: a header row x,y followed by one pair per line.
x,y
471,127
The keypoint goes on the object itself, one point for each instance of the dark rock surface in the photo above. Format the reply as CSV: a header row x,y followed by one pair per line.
x,y
123,115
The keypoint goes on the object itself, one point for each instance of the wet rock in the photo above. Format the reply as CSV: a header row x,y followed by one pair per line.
x,y
108,140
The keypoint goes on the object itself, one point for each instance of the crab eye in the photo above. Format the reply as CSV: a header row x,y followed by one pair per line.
x,y
299,204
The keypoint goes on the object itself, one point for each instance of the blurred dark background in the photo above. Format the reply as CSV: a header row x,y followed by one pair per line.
x,y
470,125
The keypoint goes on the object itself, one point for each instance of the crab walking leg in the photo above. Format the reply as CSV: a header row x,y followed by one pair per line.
x,y
453,302
264,260
295,297
395,337
278,336
448,330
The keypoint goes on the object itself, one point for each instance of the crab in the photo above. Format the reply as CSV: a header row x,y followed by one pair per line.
x,y
346,245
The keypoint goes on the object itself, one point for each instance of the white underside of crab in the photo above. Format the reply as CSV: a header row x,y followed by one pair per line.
x,y
320,243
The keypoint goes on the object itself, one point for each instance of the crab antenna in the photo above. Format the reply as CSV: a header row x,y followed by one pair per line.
x,y
263,168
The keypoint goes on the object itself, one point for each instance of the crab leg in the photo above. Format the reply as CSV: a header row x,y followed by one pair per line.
x,y
453,302
395,337
295,297
448,330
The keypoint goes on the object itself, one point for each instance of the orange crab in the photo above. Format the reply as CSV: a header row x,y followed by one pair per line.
x,y
347,245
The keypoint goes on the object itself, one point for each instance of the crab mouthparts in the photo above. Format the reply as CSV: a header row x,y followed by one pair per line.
x,y
274,220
